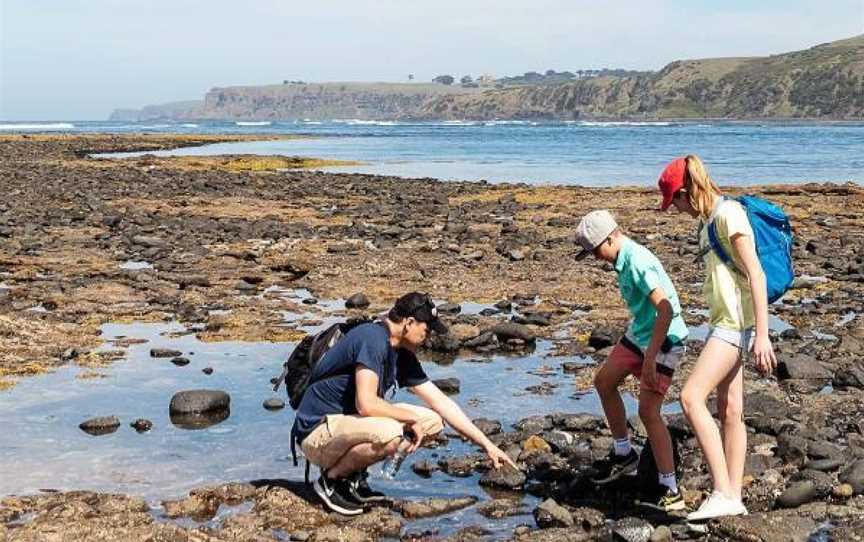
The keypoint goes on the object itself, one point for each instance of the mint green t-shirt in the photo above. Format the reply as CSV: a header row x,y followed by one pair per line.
x,y
640,273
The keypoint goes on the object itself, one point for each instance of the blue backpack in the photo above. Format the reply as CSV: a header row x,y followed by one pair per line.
x,y
773,236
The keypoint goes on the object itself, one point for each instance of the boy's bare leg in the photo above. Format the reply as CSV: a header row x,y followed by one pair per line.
x,y
650,402
606,382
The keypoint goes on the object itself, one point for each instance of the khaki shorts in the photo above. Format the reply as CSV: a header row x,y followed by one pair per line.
x,y
338,433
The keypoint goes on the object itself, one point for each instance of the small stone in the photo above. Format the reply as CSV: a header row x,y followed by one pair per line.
x,y
180,361
141,425
102,425
550,514
505,477
854,476
535,444
632,529
424,468
357,301
164,353
207,370
434,507
450,386
797,494
449,308
843,491
661,534
274,403
487,426
300,536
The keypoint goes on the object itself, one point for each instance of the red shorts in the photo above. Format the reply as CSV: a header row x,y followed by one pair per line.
x,y
625,357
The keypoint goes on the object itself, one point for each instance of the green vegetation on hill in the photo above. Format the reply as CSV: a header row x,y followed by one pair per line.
x,y
823,82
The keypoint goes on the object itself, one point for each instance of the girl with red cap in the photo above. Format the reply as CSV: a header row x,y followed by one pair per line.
x,y
738,305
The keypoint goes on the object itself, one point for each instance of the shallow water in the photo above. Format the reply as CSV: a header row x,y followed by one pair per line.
x,y
42,447
585,153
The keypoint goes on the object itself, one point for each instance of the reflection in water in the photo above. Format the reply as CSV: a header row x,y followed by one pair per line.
x,y
199,420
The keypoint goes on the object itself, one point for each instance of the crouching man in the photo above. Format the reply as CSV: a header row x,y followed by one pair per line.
x,y
344,424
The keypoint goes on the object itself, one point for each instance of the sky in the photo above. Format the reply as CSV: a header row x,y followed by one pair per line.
x,y
80,59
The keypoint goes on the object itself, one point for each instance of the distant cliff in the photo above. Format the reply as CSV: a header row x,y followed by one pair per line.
x,y
171,111
823,82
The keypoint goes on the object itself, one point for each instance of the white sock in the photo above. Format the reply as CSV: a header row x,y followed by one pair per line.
x,y
622,446
669,481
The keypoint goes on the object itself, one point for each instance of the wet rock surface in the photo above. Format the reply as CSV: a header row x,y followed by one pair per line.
x,y
221,243
101,425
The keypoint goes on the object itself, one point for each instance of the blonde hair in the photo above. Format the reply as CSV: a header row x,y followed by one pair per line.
x,y
701,190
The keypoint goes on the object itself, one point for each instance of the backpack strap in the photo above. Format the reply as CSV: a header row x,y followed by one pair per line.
x,y
714,241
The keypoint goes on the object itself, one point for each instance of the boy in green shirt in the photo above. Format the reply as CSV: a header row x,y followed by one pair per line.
x,y
651,349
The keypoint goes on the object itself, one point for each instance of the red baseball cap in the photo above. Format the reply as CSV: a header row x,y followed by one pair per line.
x,y
672,180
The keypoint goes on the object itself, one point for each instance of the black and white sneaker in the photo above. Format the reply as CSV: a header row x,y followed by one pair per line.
x,y
333,494
359,490
615,466
663,499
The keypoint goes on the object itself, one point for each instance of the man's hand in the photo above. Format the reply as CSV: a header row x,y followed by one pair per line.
x,y
649,373
763,355
416,430
498,457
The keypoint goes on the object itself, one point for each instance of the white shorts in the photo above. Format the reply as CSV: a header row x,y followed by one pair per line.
x,y
742,339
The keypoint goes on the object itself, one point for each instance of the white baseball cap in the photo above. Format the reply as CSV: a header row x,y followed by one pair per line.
x,y
594,228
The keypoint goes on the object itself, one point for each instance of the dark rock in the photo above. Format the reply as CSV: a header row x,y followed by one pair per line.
x,y
504,305
854,476
449,308
534,319
824,465
824,450
792,448
164,353
849,377
533,425
560,441
460,467
551,514
141,425
434,507
487,426
199,420
505,477
450,386
484,340
511,330
207,370
443,343
357,301
578,422
424,468
489,312
180,361
603,337
632,529
501,508
274,403
801,367
148,241
102,425
309,301
796,494
196,401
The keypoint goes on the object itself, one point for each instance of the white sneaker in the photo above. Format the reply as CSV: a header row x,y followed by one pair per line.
x,y
718,505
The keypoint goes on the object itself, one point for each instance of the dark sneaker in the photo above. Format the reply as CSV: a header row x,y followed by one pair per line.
x,y
359,490
333,493
616,466
664,500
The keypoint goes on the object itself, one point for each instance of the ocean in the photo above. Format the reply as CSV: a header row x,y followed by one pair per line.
x,y
570,153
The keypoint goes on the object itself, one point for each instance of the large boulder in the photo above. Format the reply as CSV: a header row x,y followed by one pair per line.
x,y
506,331
199,401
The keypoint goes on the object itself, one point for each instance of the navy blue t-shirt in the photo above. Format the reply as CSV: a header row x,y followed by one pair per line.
x,y
333,389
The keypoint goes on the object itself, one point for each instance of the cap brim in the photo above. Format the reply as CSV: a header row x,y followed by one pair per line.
x,y
438,327
667,201
584,254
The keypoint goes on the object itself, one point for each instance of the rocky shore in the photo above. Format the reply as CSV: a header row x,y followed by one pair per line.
x,y
208,241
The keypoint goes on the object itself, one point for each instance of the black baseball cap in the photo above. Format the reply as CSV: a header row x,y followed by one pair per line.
x,y
421,308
